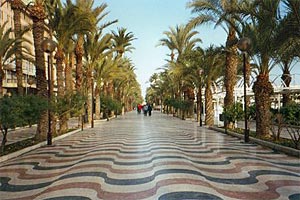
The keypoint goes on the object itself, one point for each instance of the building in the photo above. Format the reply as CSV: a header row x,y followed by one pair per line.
x,y
28,67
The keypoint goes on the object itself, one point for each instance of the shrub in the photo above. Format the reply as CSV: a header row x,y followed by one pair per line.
x,y
19,111
109,104
234,113
291,115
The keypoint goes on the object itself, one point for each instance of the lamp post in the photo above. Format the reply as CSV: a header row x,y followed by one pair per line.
x,y
92,110
243,45
200,97
48,46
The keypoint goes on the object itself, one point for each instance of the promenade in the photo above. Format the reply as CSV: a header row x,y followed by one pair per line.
x,y
135,157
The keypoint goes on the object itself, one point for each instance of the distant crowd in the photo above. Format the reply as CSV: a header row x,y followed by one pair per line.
x,y
146,109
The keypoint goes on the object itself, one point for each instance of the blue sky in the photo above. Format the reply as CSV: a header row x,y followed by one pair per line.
x,y
147,20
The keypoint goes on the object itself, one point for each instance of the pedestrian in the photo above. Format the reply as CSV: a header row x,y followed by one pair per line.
x,y
149,109
145,109
139,108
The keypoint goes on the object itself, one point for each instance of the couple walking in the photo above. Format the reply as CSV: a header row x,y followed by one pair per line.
x,y
147,109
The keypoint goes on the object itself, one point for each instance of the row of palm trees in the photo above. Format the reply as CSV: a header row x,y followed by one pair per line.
x,y
79,29
271,25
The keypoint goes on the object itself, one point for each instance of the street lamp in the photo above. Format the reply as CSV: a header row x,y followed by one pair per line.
x,y
200,97
48,46
243,45
92,110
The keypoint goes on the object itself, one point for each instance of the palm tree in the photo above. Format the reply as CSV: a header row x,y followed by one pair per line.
x,y
194,60
220,13
263,15
123,81
106,69
155,89
66,22
166,89
98,13
122,41
287,41
212,70
69,58
38,14
102,70
293,8
97,47
180,40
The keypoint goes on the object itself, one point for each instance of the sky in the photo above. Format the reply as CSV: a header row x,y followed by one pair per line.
x,y
147,20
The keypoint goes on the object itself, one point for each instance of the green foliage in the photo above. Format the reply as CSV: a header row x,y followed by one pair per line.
x,y
110,104
32,107
234,112
10,112
72,103
20,110
178,104
252,112
291,113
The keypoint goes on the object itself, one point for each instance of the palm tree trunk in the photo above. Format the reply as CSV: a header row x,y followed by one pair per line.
x,y
38,15
98,103
68,74
209,110
230,68
68,85
110,93
17,30
263,90
286,78
59,56
79,70
89,91
191,97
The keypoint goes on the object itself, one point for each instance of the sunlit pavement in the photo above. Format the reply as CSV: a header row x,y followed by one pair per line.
x,y
158,157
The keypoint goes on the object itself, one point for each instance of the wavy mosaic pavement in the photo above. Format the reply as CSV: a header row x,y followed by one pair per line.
x,y
158,157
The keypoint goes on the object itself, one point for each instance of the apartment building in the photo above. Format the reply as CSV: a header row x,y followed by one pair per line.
x,y
9,68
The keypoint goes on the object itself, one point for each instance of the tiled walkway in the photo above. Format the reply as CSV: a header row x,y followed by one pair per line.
x,y
158,157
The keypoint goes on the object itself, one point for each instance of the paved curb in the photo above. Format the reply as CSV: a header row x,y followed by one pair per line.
x,y
277,147
27,149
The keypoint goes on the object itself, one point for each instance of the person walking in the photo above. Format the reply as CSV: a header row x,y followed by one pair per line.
x,y
149,109
139,108
145,109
